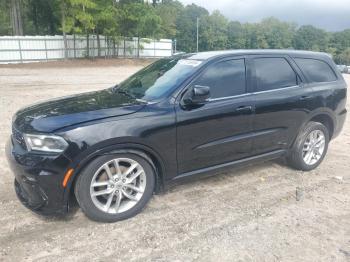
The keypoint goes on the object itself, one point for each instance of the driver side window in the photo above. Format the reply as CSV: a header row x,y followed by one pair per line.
x,y
225,79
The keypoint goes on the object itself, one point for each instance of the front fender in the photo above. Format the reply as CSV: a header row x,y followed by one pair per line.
x,y
142,150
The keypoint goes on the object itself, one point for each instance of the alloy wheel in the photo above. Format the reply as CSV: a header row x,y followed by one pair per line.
x,y
313,147
118,185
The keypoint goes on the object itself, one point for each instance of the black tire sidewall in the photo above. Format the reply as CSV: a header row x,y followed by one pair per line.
x,y
298,147
82,189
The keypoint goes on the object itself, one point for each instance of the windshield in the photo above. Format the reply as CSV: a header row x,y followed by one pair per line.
x,y
158,79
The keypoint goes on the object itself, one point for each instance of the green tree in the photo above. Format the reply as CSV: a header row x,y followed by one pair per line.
x,y
41,17
149,23
341,40
130,15
5,25
255,37
168,11
213,32
236,35
340,43
138,19
344,57
79,16
277,34
311,38
186,27
105,17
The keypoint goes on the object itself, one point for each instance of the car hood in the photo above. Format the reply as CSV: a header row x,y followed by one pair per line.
x,y
59,113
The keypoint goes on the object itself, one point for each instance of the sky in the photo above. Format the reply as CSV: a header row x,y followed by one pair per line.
x,y
331,15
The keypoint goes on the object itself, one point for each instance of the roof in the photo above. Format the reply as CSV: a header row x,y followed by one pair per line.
x,y
215,54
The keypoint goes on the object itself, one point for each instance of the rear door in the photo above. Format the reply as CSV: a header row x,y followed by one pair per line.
x,y
282,102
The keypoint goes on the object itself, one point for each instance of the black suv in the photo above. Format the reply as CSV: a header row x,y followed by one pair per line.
x,y
177,118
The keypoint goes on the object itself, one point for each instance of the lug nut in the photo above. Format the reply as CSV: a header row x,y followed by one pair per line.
x,y
124,180
112,186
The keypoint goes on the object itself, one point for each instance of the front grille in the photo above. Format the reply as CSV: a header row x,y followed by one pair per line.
x,y
17,135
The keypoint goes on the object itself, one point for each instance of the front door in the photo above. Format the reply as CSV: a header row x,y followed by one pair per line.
x,y
219,131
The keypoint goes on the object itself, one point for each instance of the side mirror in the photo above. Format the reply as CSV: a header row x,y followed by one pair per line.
x,y
197,95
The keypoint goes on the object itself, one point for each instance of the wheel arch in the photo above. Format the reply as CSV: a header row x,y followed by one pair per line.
x,y
141,150
323,116
326,120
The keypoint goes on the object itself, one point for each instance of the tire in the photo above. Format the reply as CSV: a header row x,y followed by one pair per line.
x,y
95,206
297,154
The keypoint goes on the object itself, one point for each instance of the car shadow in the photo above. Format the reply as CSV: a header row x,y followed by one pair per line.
x,y
227,173
178,186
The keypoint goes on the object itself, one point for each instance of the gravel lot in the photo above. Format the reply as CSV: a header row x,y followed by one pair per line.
x,y
250,214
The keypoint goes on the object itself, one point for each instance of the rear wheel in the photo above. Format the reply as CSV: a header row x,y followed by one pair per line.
x,y
310,147
115,187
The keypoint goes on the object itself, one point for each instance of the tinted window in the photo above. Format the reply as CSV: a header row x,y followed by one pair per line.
x,y
273,73
225,78
159,78
316,70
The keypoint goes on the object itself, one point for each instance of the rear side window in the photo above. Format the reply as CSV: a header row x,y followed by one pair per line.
x,y
273,73
316,71
226,78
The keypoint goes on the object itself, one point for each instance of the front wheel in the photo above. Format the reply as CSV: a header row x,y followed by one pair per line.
x,y
310,147
115,187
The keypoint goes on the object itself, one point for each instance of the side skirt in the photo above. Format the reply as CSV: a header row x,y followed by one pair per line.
x,y
237,163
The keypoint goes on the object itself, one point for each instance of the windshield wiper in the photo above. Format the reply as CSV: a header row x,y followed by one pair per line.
x,y
114,88
125,93
132,96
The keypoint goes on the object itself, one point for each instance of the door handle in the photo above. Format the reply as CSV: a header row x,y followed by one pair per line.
x,y
244,109
304,98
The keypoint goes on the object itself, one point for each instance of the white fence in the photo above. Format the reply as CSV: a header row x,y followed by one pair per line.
x,y
20,49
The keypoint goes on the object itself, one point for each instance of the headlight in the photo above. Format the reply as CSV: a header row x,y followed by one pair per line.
x,y
45,143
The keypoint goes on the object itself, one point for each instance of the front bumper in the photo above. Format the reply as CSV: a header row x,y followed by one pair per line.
x,y
38,179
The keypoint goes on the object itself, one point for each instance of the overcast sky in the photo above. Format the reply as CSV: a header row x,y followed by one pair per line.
x,y
332,15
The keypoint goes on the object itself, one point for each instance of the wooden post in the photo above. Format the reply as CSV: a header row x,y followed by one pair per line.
x,y
65,46
124,46
105,47
138,47
118,48
154,47
87,45
98,45
75,55
93,46
20,50
46,49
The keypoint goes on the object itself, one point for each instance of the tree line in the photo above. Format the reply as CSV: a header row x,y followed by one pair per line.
x,y
165,19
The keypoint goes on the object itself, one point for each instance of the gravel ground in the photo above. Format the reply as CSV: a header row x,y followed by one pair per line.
x,y
250,214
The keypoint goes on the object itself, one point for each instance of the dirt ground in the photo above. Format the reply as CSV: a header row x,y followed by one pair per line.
x,y
250,214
